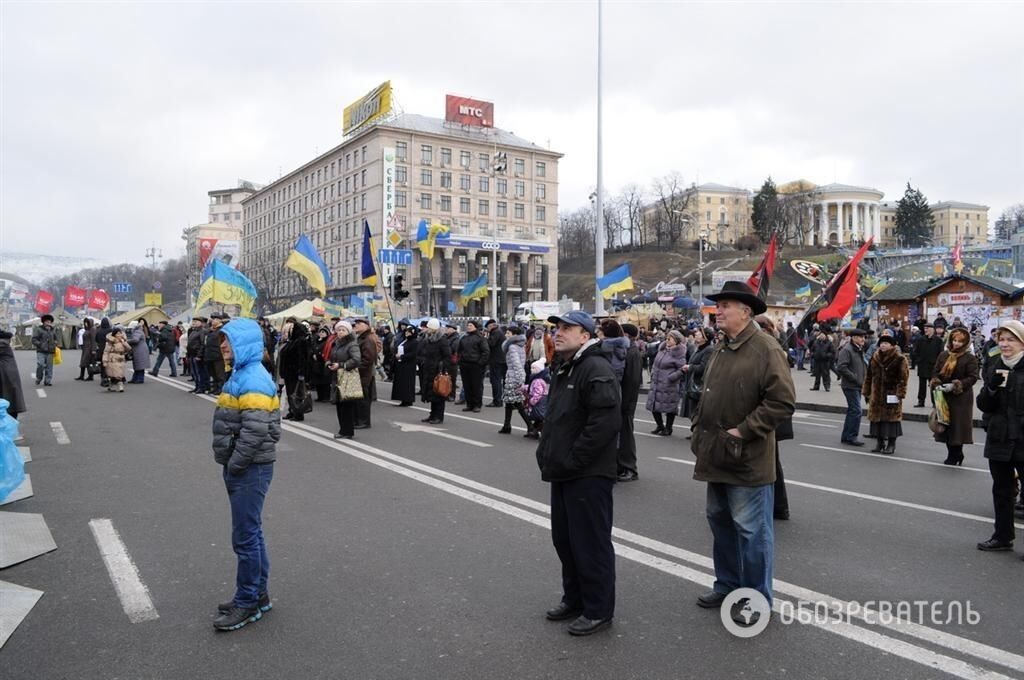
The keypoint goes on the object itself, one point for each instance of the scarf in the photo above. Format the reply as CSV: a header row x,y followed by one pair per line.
x,y
1012,362
950,364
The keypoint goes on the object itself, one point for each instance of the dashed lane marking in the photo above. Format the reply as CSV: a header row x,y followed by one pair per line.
x,y
59,433
876,456
41,393
124,574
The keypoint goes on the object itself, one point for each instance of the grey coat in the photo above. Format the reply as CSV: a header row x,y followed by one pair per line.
x,y
666,373
140,350
851,367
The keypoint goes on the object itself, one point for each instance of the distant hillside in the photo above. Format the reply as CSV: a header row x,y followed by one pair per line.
x,y
34,268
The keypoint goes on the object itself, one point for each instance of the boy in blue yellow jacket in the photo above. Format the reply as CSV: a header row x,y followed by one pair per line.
x,y
246,429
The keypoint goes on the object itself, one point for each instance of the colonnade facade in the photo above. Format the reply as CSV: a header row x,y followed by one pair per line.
x,y
839,222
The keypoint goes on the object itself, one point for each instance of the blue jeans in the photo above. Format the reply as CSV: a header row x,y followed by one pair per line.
x,y
801,352
246,493
44,367
170,360
741,523
851,426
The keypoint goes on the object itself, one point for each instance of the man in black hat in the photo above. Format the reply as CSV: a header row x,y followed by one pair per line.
x,y
851,368
926,352
748,393
474,352
497,365
45,340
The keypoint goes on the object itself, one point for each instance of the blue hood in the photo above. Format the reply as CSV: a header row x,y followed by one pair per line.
x,y
246,340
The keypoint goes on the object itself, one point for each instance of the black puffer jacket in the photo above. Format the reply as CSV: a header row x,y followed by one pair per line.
x,y
1004,412
474,349
581,430
494,341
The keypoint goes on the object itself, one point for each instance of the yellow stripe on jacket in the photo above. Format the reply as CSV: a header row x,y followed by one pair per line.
x,y
250,400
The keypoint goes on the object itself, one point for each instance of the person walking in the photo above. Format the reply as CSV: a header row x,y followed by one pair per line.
x,y
167,345
885,387
748,394
956,371
140,352
515,377
403,388
851,368
496,367
577,455
663,396
823,353
368,351
45,340
434,358
88,345
115,357
345,356
928,349
246,429
474,353
632,378
10,379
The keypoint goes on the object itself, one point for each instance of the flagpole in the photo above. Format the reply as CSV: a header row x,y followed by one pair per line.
x,y
599,202
380,281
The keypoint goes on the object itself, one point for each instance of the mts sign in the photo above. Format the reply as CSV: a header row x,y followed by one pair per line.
x,y
466,111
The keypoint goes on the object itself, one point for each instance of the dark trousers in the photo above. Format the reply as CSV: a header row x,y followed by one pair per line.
x,y
781,498
437,409
363,405
346,417
473,384
581,530
822,375
851,426
200,375
169,356
215,369
627,440
497,375
922,389
1004,492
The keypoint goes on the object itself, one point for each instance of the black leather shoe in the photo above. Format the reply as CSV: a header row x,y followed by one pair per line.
x,y
468,408
563,612
361,426
854,442
659,431
434,421
627,476
342,436
426,420
711,599
584,626
994,545
495,404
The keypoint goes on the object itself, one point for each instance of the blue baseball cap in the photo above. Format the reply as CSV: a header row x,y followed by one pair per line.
x,y
575,318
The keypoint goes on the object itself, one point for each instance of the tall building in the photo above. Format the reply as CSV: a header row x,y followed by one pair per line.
x,y
209,241
722,212
442,172
966,222
226,204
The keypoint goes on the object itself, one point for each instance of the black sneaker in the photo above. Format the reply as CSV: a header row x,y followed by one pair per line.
x,y
236,618
264,604
995,545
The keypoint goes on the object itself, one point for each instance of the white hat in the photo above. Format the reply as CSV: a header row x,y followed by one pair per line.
x,y
538,365
133,324
343,324
433,324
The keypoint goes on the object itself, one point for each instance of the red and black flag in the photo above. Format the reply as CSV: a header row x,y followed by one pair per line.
x,y
761,278
839,295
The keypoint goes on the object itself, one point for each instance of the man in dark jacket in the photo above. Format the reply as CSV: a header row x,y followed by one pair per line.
x,y
367,340
927,351
10,379
823,352
497,365
194,350
632,377
166,345
45,341
474,356
577,454
211,355
851,369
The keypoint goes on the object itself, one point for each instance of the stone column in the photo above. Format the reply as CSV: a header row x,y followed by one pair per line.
x,y
822,223
524,270
839,222
446,279
808,228
878,222
545,273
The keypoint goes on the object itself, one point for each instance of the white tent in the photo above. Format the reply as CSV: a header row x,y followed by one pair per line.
x,y
300,310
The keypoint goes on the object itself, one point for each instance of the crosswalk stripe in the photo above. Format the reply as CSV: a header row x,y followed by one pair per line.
x,y
124,574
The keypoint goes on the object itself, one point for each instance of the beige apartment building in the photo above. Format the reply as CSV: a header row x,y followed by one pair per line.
x,y
226,204
204,242
442,172
719,211
954,220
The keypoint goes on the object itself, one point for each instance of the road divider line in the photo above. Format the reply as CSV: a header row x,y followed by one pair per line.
x,y
124,574
41,393
59,433
880,457
438,432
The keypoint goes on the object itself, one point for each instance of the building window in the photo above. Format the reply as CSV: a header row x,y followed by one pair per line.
x,y
541,191
541,213
464,206
446,180
401,151
399,199
426,177
465,182
425,201
465,158
446,204
362,178
484,162
485,184
520,211
520,189
520,166
707,215
446,157
542,169
348,186
362,202
401,174
484,207
364,153
427,154
502,228
501,209
501,186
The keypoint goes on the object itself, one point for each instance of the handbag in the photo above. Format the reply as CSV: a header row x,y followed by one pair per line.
x,y
442,385
350,387
301,401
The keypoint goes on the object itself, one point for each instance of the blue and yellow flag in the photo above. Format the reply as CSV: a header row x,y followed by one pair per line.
x,y
306,261
368,271
983,268
226,285
477,288
426,236
804,292
615,281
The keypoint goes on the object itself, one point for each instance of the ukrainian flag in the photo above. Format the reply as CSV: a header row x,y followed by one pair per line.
x,y
226,285
804,292
475,289
306,261
426,236
615,281
983,268
369,272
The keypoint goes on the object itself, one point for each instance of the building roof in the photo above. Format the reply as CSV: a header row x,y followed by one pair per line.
x,y
846,188
438,126
721,188
944,205
995,285
900,290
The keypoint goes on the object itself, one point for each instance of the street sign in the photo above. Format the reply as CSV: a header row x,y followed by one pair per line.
x,y
154,299
391,256
490,245
122,287
157,285
394,238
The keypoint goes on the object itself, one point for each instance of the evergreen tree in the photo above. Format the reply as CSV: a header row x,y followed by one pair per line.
x,y
765,214
914,221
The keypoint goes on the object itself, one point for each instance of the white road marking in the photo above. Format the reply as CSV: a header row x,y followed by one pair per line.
x,y
124,575
41,393
59,433
878,456
867,637
869,497
439,432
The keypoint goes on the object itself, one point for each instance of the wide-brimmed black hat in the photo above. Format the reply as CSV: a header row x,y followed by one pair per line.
x,y
741,292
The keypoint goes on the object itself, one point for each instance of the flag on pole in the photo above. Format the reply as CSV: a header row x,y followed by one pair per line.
x,y
426,236
307,262
958,257
761,278
616,281
983,268
367,269
74,297
839,295
44,302
98,299
477,288
804,292
222,283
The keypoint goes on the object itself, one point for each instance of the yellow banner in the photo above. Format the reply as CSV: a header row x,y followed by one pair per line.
x,y
154,299
376,104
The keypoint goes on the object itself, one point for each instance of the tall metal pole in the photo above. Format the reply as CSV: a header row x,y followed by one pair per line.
x,y
599,222
494,282
700,270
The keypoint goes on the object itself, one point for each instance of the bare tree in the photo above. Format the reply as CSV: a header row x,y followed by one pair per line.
x,y
576,234
1009,222
631,206
673,220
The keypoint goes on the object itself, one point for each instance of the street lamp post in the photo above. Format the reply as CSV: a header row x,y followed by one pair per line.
x,y
700,267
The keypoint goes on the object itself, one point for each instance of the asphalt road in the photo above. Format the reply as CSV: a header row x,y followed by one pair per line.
x,y
407,554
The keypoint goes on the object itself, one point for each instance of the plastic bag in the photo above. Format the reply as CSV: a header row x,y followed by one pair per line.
x,y
58,358
12,466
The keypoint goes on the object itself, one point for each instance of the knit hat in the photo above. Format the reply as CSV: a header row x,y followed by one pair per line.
x,y
133,324
343,324
433,324
538,365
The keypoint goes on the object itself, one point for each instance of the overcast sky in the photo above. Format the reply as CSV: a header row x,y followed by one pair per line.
x,y
117,118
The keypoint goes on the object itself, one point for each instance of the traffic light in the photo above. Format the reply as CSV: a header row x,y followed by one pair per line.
x,y
399,292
